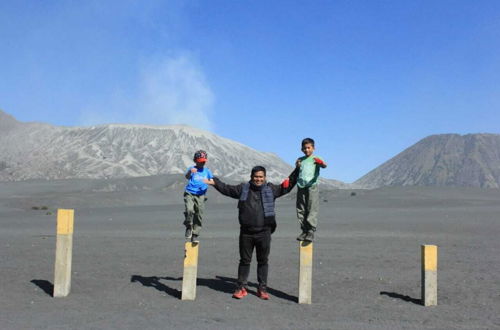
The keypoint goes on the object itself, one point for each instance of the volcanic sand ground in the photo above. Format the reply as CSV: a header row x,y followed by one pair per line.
x,y
128,257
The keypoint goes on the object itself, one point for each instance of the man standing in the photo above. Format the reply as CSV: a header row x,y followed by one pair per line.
x,y
257,223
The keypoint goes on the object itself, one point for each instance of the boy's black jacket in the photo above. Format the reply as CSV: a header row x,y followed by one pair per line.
x,y
251,212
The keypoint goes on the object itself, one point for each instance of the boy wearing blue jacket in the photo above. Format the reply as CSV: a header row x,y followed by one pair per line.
x,y
194,195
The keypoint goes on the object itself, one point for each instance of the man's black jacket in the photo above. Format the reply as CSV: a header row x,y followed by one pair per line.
x,y
251,211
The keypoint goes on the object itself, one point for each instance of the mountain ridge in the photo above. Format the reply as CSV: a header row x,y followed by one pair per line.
x,y
44,151
469,160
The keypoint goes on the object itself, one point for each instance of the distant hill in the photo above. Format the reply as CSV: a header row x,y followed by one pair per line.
x,y
7,122
471,160
42,151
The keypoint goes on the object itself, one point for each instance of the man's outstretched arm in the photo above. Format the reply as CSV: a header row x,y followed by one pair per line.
x,y
225,189
287,185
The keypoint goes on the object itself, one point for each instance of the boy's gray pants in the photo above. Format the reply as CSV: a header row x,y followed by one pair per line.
x,y
194,207
307,207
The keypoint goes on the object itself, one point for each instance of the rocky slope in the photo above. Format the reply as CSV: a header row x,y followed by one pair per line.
x,y
471,160
42,151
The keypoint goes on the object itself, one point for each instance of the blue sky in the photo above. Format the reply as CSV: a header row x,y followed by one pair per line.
x,y
365,79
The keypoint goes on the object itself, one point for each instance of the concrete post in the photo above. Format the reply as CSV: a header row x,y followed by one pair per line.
x,y
429,275
305,272
64,253
190,271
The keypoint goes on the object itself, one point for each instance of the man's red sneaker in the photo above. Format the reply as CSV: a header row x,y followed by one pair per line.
x,y
240,293
262,294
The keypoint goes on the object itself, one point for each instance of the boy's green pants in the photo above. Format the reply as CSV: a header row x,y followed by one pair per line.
x,y
194,207
307,207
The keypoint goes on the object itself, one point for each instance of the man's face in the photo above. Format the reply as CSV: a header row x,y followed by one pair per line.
x,y
258,178
308,149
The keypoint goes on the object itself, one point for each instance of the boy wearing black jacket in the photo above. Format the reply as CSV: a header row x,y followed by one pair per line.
x,y
257,223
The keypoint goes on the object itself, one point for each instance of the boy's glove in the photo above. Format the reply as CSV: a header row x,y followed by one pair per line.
x,y
318,161
286,183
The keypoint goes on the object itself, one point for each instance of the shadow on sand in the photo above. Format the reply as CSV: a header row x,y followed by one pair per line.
x,y
217,284
45,285
220,283
402,297
154,282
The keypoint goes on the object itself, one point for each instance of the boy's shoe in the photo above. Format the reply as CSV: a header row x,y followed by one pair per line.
x,y
240,293
262,294
302,236
194,238
188,233
309,236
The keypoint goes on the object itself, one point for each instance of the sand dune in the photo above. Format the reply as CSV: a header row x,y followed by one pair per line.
x,y
128,254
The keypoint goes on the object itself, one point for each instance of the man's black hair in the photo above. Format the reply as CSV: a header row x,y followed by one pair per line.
x,y
307,141
258,169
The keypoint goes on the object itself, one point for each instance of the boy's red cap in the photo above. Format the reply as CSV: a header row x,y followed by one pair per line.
x,y
200,156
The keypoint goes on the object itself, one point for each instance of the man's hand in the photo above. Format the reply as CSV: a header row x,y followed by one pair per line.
x,y
194,170
210,182
286,183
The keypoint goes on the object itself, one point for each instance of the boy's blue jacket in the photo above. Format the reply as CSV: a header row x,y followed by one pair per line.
x,y
195,185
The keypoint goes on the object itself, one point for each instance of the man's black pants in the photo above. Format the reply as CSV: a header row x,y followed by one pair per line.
x,y
262,243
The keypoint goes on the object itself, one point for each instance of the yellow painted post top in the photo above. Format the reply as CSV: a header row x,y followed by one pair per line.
x,y
191,254
429,257
306,253
65,221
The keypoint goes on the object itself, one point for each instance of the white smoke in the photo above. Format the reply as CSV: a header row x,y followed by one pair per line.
x,y
175,91
170,90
